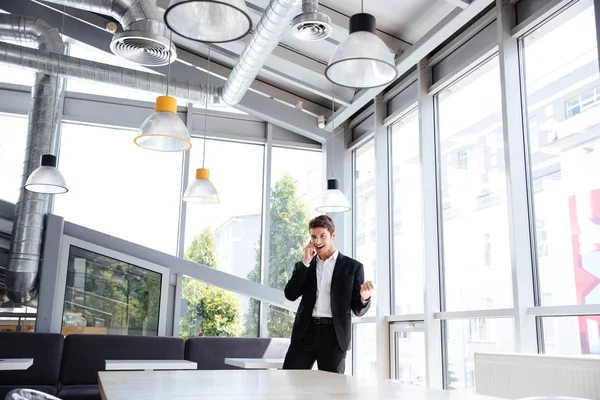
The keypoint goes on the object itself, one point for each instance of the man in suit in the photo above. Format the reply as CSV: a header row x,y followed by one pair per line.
x,y
331,285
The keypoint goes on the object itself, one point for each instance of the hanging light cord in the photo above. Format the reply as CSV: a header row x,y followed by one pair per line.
x,y
206,109
61,33
333,129
169,67
362,6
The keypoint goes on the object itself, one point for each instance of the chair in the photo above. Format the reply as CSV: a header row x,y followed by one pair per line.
x,y
29,394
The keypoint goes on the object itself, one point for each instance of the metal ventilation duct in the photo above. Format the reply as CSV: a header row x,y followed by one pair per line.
x,y
45,112
144,39
312,24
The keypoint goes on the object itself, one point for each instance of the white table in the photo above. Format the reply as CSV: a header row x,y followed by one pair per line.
x,y
15,364
149,365
260,385
255,363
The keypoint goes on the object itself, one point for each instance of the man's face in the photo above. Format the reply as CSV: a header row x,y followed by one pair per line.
x,y
322,240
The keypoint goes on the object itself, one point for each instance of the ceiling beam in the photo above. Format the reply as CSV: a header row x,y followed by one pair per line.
x,y
263,105
460,3
420,50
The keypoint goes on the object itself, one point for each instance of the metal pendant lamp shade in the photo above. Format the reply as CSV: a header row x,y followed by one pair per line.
x,y
209,21
362,60
164,130
201,191
47,178
333,200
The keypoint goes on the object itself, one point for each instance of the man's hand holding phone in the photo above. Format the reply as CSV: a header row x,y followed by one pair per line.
x,y
309,253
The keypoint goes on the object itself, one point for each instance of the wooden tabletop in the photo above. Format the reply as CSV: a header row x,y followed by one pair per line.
x,y
260,385
15,364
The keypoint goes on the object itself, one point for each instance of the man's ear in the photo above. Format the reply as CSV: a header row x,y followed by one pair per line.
x,y
333,236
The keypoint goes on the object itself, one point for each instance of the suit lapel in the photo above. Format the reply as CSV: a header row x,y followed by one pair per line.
x,y
339,265
312,272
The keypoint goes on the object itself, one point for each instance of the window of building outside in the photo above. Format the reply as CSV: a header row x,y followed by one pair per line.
x,y
365,339
475,215
409,348
227,236
365,239
13,141
566,189
108,296
297,182
407,216
469,336
118,188
208,310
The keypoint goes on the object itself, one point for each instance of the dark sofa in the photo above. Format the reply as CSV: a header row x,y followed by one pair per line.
x,y
68,367
45,349
84,355
210,352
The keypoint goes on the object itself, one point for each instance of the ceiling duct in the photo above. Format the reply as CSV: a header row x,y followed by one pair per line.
x,y
143,40
45,113
312,24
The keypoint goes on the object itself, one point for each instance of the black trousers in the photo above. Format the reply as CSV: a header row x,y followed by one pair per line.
x,y
318,344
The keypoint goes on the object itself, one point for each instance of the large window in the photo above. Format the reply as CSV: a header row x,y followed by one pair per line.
x,y
119,188
107,296
13,140
227,235
365,227
564,139
365,350
208,310
408,345
296,184
565,153
475,216
407,215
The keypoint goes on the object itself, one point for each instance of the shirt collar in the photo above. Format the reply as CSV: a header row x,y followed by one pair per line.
x,y
333,257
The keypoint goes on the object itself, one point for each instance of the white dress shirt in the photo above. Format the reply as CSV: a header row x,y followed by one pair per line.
x,y
324,275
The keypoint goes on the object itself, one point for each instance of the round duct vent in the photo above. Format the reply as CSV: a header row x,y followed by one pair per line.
x,y
312,26
143,48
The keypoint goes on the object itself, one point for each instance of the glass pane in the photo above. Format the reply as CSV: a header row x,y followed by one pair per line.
x,y
13,140
16,75
407,216
365,350
208,310
119,188
410,357
109,296
565,155
572,335
278,325
475,216
297,180
477,335
365,244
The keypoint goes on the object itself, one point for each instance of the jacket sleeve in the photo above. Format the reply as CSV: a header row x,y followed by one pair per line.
x,y
295,286
357,304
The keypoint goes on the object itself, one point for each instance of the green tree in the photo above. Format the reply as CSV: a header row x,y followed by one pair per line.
x,y
287,237
211,311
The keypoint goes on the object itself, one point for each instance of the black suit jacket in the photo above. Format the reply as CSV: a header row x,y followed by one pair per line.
x,y
348,275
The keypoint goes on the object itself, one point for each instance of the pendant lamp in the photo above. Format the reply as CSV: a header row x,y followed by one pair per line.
x,y
202,191
164,130
209,21
333,199
362,60
47,178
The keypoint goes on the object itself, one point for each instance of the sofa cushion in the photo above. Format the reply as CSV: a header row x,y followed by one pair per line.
x,y
79,392
210,352
45,349
4,389
85,355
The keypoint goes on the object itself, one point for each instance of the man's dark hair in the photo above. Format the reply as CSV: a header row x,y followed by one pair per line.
x,y
322,221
